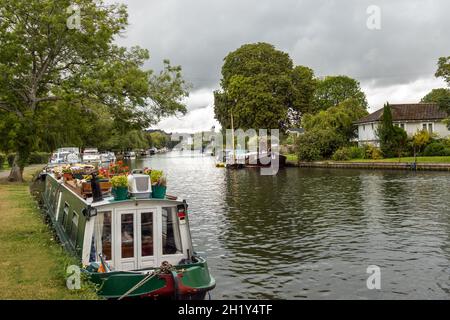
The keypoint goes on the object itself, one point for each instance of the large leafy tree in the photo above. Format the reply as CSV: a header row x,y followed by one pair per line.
x,y
261,89
304,83
43,60
328,130
441,96
333,90
444,69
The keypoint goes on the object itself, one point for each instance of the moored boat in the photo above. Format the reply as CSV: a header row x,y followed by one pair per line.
x,y
133,248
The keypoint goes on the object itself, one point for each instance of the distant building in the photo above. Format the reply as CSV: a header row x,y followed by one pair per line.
x,y
410,117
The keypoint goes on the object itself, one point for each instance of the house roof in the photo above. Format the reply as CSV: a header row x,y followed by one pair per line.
x,y
408,112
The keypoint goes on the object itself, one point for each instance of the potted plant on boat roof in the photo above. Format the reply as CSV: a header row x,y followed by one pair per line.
x,y
67,173
159,184
119,187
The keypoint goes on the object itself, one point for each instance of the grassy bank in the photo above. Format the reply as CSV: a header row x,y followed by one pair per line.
x,y
408,159
292,158
33,265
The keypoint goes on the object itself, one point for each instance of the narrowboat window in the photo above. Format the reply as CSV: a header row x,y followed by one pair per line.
x,y
74,229
171,240
127,231
102,236
65,215
147,234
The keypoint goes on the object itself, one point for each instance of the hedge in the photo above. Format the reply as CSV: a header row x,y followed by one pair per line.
x,y
35,158
39,158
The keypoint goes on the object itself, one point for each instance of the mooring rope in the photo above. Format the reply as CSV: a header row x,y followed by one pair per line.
x,y
165,268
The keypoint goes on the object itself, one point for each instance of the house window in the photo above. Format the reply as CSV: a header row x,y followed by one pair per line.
x,y
402,125
424,126
364,127
430,128
372,126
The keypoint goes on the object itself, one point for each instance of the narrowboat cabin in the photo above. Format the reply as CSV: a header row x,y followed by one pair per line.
x,y
132,248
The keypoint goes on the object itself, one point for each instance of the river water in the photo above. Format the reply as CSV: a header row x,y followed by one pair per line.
x,y
312,233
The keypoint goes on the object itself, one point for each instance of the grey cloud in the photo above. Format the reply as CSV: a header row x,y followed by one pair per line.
x,y
329,36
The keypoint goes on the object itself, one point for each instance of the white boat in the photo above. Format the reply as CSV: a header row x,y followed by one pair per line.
x,y
65,155
106,157
91,155
130,155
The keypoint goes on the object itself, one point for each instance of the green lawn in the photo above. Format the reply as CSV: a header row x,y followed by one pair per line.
x,y
293,158
33,264
408,159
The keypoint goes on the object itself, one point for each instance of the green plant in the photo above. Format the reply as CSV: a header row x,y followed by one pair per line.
x,y
2,160
341,154
437,148
372,152
66,169
39,157
157,177
119,181
347,153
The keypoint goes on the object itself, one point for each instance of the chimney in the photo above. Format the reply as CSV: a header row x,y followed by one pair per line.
x,y
96,190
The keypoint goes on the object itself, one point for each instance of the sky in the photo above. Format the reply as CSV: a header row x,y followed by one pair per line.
x,y
394,62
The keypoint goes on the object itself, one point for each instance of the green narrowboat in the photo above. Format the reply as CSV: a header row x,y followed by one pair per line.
x,y
135,248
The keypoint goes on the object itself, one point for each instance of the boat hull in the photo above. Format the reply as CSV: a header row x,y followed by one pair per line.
x,y
184,282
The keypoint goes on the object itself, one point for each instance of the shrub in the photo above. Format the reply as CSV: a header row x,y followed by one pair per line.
x,y
342,154
2,159
318,144
372,152
10,158
436,149
39,157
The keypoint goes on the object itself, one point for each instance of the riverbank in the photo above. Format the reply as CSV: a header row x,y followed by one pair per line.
x,y
407,163
33,264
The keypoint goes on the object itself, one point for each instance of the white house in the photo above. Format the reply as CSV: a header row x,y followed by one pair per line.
x,y
411,117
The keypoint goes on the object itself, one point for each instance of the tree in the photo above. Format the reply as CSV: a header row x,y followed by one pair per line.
x,y
262,89
339,118
333,90
328,130
444,69
392,139
304,84
440,96
43,61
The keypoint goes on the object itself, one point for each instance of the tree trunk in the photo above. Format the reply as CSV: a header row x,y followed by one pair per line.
x,y
16,174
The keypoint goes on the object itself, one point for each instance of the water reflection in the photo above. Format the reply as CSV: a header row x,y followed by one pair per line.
x,y
312,233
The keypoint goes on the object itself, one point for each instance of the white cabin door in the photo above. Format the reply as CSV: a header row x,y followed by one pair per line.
x,y
146,241
135,233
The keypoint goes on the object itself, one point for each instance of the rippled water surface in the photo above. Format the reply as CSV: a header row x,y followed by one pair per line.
x,y
312,233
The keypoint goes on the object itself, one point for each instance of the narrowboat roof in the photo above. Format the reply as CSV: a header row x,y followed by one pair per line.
x,y
109,200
